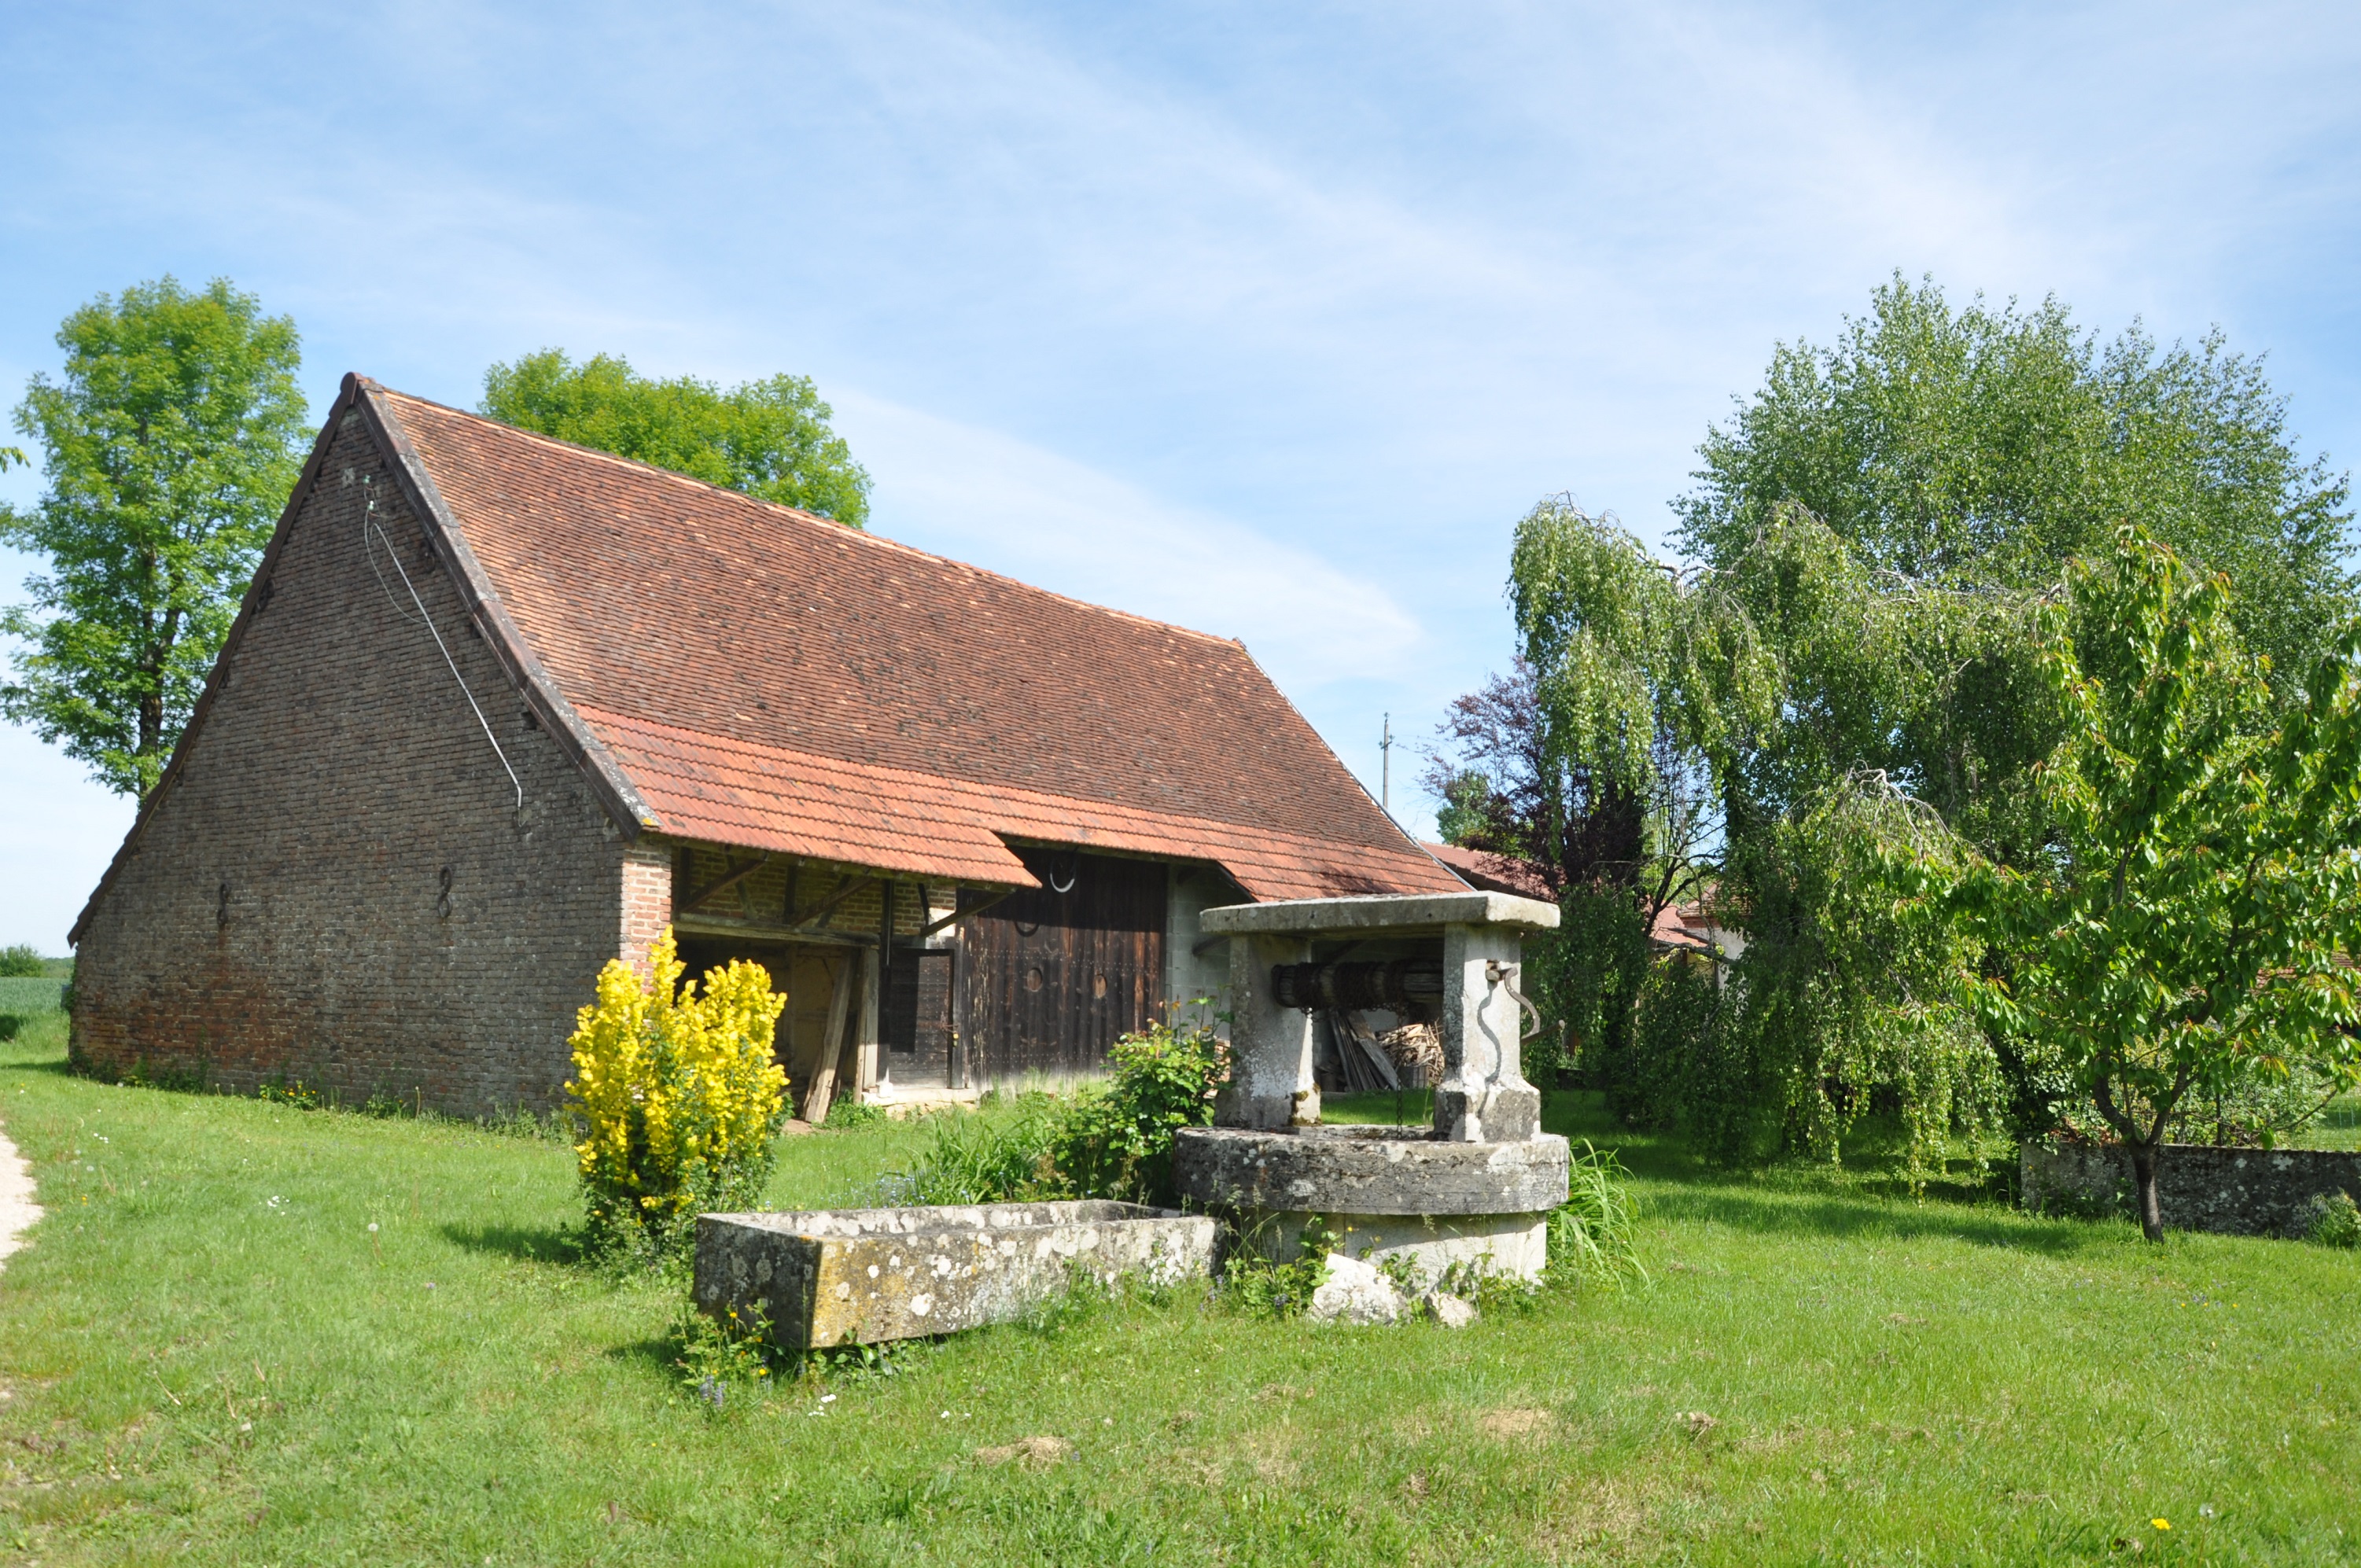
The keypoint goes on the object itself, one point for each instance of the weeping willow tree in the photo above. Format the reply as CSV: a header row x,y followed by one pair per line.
x,y
1800,684
1853,668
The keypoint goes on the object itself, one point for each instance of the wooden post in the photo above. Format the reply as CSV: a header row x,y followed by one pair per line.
x,y
824,1060
872,1013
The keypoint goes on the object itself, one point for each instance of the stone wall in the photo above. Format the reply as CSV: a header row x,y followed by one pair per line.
x,y
337,884
2200,1188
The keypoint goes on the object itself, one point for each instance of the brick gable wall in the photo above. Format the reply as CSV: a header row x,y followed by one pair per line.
x,y
283,908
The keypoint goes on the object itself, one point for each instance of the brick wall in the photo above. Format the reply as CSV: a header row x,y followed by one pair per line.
x,y
647,896
339,885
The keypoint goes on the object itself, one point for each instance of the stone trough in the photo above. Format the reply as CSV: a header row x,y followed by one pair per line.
x,y
833,1276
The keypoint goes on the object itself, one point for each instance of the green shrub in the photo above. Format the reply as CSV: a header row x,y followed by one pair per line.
x,y
1000,1154
20,962
846,1113
1261,1286
284,1091
2330,1219
1109,1139
1115,1139
11,1025
715,1352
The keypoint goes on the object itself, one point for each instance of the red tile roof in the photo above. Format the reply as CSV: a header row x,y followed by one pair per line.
x,y
1496,874
766,678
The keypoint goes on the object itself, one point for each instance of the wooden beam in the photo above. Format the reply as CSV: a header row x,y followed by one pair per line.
x,y
846,886
723,884
831,1044
958,913
865,1042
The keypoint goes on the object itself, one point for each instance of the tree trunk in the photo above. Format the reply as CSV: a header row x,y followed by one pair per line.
x,y
2145,1158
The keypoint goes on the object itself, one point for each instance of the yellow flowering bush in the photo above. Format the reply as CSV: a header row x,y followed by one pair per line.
x,y
677,1093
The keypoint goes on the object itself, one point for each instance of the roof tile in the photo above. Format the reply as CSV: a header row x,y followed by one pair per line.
x,y
772,679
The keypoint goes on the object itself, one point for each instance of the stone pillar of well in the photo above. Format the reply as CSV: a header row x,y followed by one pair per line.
x,y
1484,1097
1271,1087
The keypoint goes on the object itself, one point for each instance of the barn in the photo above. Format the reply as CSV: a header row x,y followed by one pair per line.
x,y
496,709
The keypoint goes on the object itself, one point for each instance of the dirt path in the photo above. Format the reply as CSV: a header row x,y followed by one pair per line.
x,y
17,1209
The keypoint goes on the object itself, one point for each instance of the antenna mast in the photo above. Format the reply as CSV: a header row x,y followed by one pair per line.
x,y
1386,768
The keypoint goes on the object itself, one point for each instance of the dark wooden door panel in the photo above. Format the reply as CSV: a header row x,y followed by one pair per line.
x,y
916,1025
1056,975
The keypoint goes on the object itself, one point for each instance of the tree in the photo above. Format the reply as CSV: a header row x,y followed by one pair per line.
x,y
767,438
171,445
1984,448
1583,773
1741,703
1875,533
2197,913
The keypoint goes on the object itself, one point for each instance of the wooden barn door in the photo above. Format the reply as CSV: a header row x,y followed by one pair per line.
x,y
1052,976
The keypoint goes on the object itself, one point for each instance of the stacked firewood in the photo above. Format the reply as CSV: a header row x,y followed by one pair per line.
x,y
1414,1047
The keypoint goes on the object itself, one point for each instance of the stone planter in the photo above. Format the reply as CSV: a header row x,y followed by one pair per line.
x,y
832,1277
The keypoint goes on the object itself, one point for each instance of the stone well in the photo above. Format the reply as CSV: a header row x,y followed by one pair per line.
x,y
1477,1185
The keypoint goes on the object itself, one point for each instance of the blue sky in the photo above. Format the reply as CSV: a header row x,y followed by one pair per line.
x,y
1272,321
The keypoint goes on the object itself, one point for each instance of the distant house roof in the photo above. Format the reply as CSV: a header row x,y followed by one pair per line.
x,y
1683,926
1495,873
763,678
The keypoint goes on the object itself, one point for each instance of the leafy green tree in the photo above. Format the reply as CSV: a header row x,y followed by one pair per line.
x,y
171,442
2196,916
1571,763
1767,690
1984,448
768,438
1876,530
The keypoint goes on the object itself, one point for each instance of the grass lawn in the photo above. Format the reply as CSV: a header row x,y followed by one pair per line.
x,y
207,1355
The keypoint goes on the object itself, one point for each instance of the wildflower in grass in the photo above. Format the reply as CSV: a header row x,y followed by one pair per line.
x,y
2161,1524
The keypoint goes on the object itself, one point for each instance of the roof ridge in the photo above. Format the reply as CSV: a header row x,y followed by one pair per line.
x,y
844,528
